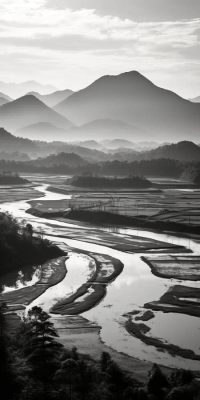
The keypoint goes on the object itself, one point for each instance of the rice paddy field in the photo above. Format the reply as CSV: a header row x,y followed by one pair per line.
x,y
171,204
160,273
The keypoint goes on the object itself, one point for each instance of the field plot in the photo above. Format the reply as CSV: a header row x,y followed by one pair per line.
x,y
10,193
175,266
165,206
178,299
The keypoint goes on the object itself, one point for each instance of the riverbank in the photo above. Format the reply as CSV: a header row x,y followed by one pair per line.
x,y
19,247
52,272
94,290
139,330
108,238
85,336
18,193
116,220
136,222
178,299
174,266
132,280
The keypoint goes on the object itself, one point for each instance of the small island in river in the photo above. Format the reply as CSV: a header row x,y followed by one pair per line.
x,y
109,182
12,179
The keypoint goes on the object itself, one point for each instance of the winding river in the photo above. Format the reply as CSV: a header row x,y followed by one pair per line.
x,y
135,286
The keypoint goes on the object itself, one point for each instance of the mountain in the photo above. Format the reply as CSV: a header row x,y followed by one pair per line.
x,y
157,113
117,143
54,98
42,130
184,151
4,98
15,156
181,151
3,101
16,90
196,99
10,143
28,110
103,129
70,159
90,144
91,155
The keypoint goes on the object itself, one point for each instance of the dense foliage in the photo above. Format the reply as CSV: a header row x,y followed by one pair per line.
x,y
35,366
18,245
11,179
158,167
99,181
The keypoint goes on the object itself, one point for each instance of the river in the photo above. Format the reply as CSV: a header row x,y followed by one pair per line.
x,y
135,286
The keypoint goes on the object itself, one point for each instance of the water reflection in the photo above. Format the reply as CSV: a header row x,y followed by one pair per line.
x,y
79,268
134,287
24,276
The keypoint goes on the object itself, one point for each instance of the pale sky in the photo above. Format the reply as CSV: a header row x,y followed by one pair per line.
x,y
70,43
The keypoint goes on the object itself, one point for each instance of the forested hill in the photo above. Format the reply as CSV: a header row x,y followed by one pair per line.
x,y
98,181
19,247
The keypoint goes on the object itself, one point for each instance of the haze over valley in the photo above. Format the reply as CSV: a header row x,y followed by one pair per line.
x,y
99,199
127,106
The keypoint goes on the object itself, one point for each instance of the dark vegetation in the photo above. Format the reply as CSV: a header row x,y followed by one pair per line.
x,y
35,366
6,178
140,330
60,157
158,167
197,178
174,160
103,218
99,181
19,247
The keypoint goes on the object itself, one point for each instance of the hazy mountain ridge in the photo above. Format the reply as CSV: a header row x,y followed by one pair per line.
x,y
181,151
196,99
14,156
42,130
29,110
52,99
104,128
16,90
3,101
127,106
10,143
134,100
71,159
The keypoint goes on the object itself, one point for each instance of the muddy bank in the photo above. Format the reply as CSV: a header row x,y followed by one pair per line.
x,y
106,218
126,243
173,266
79,332
94,290
139,330
146,316
52,272
178,299
18,193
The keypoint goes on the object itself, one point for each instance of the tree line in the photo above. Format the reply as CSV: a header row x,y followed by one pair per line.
x,y
35,366
19,246
157,167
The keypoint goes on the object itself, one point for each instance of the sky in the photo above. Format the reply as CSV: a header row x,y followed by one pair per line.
x,y
71,43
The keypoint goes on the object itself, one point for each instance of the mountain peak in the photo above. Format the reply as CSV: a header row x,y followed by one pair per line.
x,y
129,77
133,99
28,110
31,98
